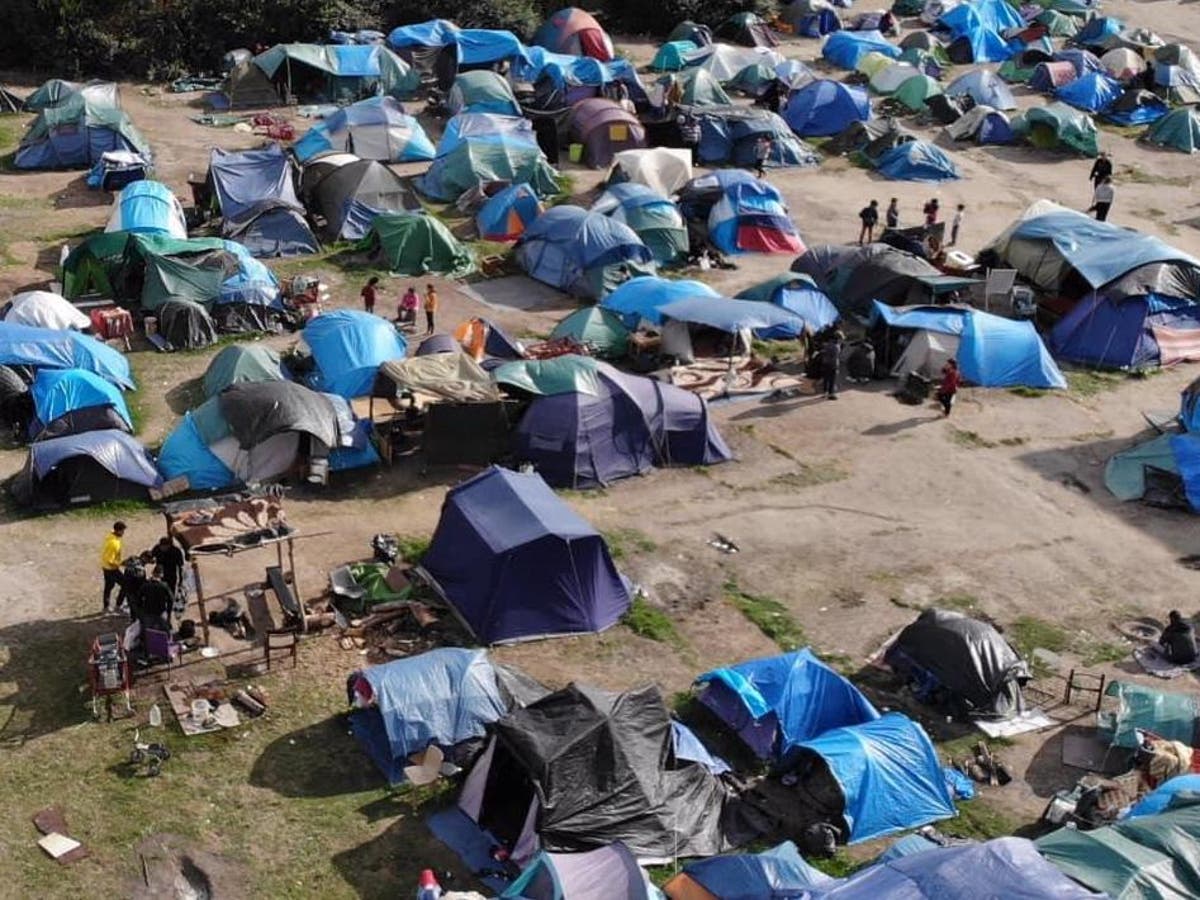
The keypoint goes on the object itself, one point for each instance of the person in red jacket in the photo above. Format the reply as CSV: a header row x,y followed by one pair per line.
x,y
948,387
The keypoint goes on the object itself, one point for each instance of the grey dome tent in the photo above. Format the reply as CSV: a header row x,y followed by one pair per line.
x,y
85,468
186,325
960,662
242,362
348,193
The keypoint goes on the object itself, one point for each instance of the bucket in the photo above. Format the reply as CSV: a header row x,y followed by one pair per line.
x,y
200,710
575,153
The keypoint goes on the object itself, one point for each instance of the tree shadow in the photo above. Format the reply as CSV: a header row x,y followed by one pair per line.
x,y
319,760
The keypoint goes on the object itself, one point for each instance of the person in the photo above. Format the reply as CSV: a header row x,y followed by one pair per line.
x,y
831,361
762,152
110,563
623,99
772,97
948,387
1178,640
1102,168
869,215
1102,199
956,223
931,212
431,305
407,312
674,95
888,24
168,559
689,134
892,217
370,293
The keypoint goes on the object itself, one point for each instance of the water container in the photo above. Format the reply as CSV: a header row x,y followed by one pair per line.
x,y
155,716
575,152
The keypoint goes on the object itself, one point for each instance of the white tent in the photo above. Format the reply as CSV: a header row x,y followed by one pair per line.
x,y
926,353
1122,63
888,81
662,169
724,61
42,309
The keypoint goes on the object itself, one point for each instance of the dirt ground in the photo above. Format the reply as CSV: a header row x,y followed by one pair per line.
x,y
851,514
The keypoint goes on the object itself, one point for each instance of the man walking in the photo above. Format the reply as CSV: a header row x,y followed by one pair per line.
x,y
431,305
168,560
869,216
951,379
762,152
955,223
892,216
370,293
831,361
1102,168
1102,199
110,562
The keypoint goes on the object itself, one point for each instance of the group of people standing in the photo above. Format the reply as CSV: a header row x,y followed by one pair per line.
x,y
869,217
406,310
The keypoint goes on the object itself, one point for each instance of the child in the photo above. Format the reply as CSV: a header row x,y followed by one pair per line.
x,y
949,386
955,223
370,293
407,314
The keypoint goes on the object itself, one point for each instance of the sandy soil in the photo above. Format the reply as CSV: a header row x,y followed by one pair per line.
x,y
850,513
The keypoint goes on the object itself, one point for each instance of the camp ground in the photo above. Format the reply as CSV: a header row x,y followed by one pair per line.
x,y
587,454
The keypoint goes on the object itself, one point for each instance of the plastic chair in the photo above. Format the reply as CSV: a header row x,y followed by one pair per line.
x,y
999,284
160,647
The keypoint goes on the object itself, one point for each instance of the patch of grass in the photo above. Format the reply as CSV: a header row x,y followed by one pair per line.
x,y
651,622
1029,632
1138,175
480,248
566,190
838,866
972,440
810,475
1022,391
1016,441
775,349
1089,382
624,541
960,602
1102,652
412,547
965,746
770,616
979,819
109,509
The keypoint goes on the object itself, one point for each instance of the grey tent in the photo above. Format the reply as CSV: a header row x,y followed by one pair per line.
x,y
580,769
859,135
9,102
186,325
883,273
85,468
963,664
348,193
255,412
248,87
242,362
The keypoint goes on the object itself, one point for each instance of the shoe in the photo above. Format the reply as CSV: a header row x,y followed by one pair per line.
x,y
831,396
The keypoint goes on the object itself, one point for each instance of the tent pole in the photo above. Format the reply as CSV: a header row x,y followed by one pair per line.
x,y
200,599
296,585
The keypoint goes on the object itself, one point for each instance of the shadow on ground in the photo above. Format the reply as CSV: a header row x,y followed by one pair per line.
x,y
319,760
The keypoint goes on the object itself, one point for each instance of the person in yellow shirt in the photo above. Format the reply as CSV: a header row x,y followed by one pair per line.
x,y
110,562
431,305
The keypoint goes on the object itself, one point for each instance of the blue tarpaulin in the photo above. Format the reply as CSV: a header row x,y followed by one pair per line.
x,y
1093,92
916,161
1162,796
475,46
148,207
728,315
515,562
57,392
348,347
846,48
690,748
581,252
777,702
780,872
998,15
1186,448
643,298
117,452
442,697
185,452
24,345
889,774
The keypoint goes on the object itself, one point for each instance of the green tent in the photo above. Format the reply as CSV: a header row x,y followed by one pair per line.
x,y
1057,23
753,80
672,56
1058,125
765,291
89,267
1178,129
1146,858
240,363
560,375
602,331
417,244
922,57
339,73
915,91
1171,716
1013,72
482,91
700,88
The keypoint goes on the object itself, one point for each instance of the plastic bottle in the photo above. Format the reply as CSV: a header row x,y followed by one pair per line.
x,y
155,716
428,887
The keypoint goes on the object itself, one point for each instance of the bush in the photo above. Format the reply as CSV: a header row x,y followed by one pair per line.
x,y
640,17
522,17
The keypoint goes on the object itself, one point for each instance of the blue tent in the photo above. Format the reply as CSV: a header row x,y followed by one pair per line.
x,y
348,346
751,216
780,872
581,252
442,697
797,294
728,136
563,80
24,345
479,147
916,161
148,207
997,15
611,872
984,87
89,467
1159,799
1186,448
642,298
1083,61
889,775
60,392
256,193
825,107
1093,32
376,128
1119,332
185,452
475,46
1093,92
846,48
1189,407
515,562
775,703
506,215
981,45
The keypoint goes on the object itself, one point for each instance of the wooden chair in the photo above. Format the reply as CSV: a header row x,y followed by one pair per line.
x,y
281,642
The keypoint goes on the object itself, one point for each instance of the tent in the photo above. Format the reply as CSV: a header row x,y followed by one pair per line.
x,y
979,45
85,468
1170,716
1122,64
337,73
886,774
606,873
1178,129
672,56
442,374
961,662
699,88
773,704
256,195
687,30
916,161
1128,331
994,14
43,309
1189,408
983,125
416,244
591,424
148,207
653,218
1082,61
728,135
738,318
441,698
52,92
25,345
574,32
825,107
78,130
347,347
186,325
747,29
1150,856
888,81
473,46
482,91
505,216
813,19
482,148
480,338
594,327
1092,92
858,275
1058,126
376,128
751,216
641,298
1125,474
581,768
780,872
242,363
248,87
846,48
349,193
604,128
1136,107
516,563
1048,77
71,401
725,62
984,88
662,169
583,253
797,294
117,168
560,81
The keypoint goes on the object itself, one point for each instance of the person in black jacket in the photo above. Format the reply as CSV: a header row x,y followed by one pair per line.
x,y
1178,640
1102,168
869,216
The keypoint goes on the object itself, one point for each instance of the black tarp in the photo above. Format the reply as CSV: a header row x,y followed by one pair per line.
x,y
603,769
882,273
186,325
968,658
256,411
859,135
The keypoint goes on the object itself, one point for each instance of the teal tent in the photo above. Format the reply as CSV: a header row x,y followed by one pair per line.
x,y
1058,126
1178,129
672,56
338,73
601,331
